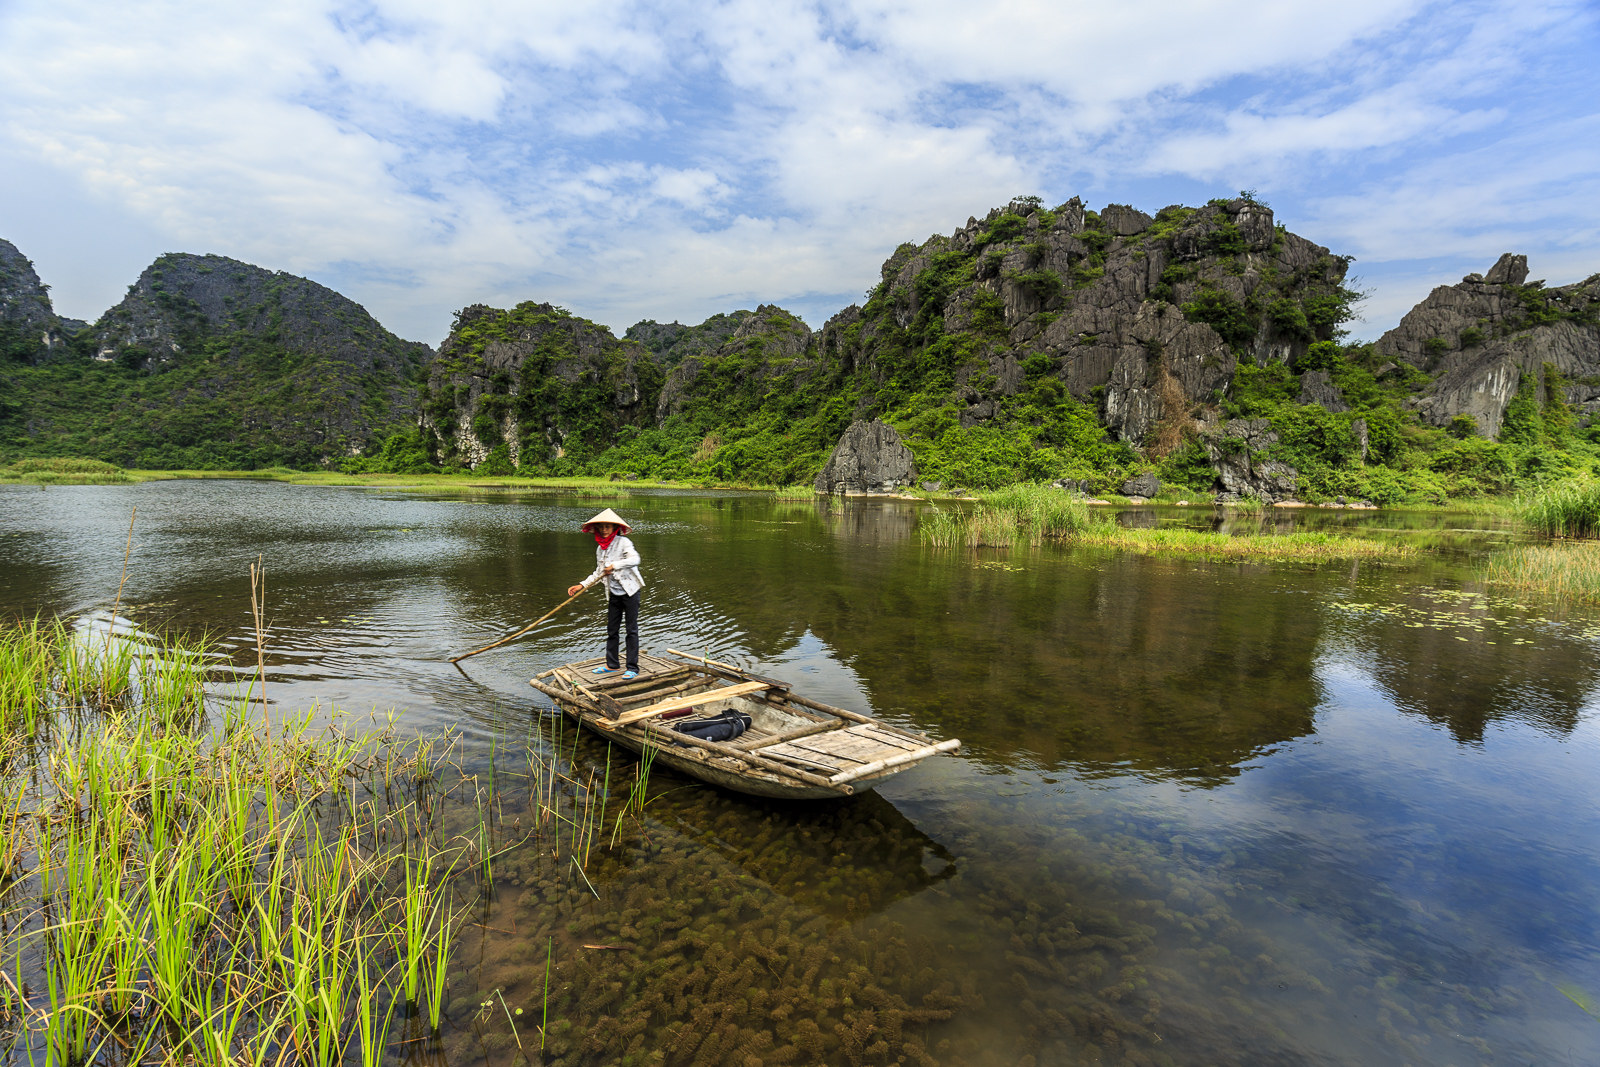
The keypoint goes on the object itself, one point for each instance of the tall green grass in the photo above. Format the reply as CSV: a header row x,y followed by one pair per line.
x,y
65,471
183,885
1016,515
1033,514
1566,509
1567,571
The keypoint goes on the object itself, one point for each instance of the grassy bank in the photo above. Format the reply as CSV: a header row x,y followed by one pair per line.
x,y
184,885
96,472
1032,515
181,882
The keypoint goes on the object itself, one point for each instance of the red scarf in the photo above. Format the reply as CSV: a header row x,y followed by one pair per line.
x,y
605,542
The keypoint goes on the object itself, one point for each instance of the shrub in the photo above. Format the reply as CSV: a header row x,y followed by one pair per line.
x,y
1322,355
1471,336
1229,318
1521,424
1042,285
1462,427
1289,319
1226,240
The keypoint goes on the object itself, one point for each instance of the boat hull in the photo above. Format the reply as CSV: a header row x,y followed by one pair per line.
x,y
794,749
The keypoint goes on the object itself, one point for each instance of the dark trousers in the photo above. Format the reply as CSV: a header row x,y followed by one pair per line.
x,y
616,608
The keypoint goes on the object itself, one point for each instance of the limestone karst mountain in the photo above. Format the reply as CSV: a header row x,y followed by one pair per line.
x,y
1492,335
209,361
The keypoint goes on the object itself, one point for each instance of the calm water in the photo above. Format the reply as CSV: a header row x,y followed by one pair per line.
x,y
1204,813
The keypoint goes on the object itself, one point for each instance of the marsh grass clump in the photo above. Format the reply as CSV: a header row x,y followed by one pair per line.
x,y
181,883
65,470
1309,545
1567,509
1567,571
1016,515
1033,514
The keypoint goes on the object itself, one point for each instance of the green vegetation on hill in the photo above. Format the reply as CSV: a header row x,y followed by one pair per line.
x,y
232,405
212,363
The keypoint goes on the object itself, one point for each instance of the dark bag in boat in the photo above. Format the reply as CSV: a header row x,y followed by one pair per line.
x,y
724,727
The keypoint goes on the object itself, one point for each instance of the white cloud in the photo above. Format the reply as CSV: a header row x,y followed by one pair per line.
x,y
672,160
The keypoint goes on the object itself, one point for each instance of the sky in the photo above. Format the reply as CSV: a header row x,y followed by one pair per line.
x,y
672,161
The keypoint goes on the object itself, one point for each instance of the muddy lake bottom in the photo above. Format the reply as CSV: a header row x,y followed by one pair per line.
x,y
1204,813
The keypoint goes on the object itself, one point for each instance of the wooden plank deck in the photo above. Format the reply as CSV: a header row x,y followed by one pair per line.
x,y
841,750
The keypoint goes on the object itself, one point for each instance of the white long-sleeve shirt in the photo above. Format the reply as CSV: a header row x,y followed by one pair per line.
x,y
624,579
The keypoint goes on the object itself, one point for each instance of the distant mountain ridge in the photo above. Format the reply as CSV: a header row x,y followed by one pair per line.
x,y
208,361
1203,344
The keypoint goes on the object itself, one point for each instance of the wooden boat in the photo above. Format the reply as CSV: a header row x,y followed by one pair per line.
x,y
795,748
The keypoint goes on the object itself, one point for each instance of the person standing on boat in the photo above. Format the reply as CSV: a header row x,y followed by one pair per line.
x,y
617,564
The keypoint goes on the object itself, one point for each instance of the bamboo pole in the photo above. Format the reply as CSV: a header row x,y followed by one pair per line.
x,y
895,761
525,629
613,709
853,716
571,698
796,734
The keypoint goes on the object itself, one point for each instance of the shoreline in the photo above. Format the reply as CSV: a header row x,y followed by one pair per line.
x,y
605,486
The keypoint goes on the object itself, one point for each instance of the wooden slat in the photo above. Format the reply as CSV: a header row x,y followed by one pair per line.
x,y
889,738
853,743
805,759
789,735
710,696
716,750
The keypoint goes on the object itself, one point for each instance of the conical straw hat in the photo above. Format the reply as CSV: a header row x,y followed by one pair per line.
x,y
607,516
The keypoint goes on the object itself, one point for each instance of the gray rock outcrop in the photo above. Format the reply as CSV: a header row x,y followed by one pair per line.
x,y
869,458
1103,300
1244,467
30,330
1145,485
1317,388
1480,337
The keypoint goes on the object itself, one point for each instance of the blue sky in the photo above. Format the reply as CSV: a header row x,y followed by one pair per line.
x,y
671,161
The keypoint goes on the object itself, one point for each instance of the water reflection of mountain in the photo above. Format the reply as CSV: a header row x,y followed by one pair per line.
x,y
1458,663
1098,659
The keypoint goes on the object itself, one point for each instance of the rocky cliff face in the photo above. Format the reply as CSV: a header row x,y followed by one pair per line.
x,y
182,302
1490,335
298,359
766,346
30,330
1115,303
537,383
542,385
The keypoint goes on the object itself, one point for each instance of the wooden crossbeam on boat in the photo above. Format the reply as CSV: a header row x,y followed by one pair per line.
x,y
709,696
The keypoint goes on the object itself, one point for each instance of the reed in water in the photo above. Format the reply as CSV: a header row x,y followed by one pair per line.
x,y
181,883
1031,515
